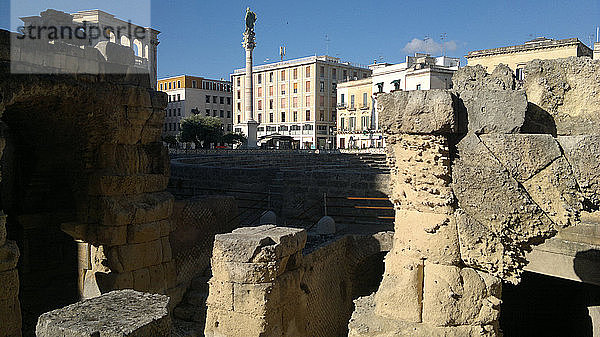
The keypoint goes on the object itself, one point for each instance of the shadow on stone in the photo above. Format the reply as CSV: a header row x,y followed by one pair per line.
x,y
538,120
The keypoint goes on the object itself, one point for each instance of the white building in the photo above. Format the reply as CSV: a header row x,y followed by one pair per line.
x,y
192,95
419,72
296,98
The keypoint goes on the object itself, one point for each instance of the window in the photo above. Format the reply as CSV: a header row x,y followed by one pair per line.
x,y
270,104
307,88
228,127
333,73
322,115
283,128
295,116
351,102
238,81
215,99
165,126
161,88
260,118
259,78
307,70
271,117
222,100
342,97
260,104
178,84
282,76
283,116
228,100
228,114
193,83
354,74
260,129
519,74
307,101
321,71
239,119
307,115
207,99
418,87
322,86
342,123
283,89
259,92
345,73
169,112
365,99
364,121
178,97
333,88
208,112
271,91
221,113
169,85
295,73
178,111
214,113
295,102
295,88
271,77
321,100
282,105
239,94
352,123
239,107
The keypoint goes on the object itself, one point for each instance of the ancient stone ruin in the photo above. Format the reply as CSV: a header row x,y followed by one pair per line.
x,y
480,177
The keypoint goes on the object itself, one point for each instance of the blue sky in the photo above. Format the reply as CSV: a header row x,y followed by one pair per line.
x,y
203,37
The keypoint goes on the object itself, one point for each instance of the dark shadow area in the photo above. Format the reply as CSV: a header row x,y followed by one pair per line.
x,y
538,120
547,306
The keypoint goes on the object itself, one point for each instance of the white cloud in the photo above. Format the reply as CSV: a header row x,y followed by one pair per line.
x,y
429,46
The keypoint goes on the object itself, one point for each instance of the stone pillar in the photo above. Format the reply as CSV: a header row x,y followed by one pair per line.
x,y
249,125
117,313
255,287
426,290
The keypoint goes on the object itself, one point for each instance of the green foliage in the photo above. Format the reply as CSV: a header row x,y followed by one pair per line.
x,y
170,139
201,130
234,138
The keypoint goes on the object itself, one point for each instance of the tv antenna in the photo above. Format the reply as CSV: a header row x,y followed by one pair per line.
x,y
327,40
443,38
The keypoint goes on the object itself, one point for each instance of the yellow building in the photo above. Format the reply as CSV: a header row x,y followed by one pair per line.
x,y
515,57
356,125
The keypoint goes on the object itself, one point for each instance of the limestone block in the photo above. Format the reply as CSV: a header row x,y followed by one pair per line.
x,y
144,232
567,90
108,235
230,323
220,295
135,256
131,159
141,279
170,274
487,193
494,111
400,293
9,256
477,78
583,154
158,284
10,317
453,296
10,284
127,184
108,281
166,248
522,155
142,208
431,236
258,244
117,313
555,190
247,272
416,112
255,299
294,321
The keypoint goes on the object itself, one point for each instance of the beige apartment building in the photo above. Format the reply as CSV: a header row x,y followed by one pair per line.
x,y
296,98
515,57
192,95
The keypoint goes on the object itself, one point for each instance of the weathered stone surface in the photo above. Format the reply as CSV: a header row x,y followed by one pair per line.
x,y
583,154
488,194
10,314
135,256
567,89
457,296
117,313
429,236
9,256
477,78
128,184
10,284
416,112
400,293
247,272
144,232
133,209
522,155
494,111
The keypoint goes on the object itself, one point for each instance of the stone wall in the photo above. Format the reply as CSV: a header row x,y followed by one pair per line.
x,y
478,179
264,285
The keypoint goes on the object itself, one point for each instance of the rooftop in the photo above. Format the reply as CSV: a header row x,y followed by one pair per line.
x,y
537,43
302,60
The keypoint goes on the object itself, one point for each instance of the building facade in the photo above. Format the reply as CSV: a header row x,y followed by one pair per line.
x,y
192,95
358,123
515,57
296,98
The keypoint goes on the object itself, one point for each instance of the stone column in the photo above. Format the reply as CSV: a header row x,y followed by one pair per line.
x,y
249,125
255,288
426,290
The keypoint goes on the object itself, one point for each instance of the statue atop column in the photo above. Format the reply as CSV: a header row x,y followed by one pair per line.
x,y
249,42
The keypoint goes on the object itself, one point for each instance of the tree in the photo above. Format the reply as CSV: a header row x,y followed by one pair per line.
x,y
201,130
170,140
234,138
